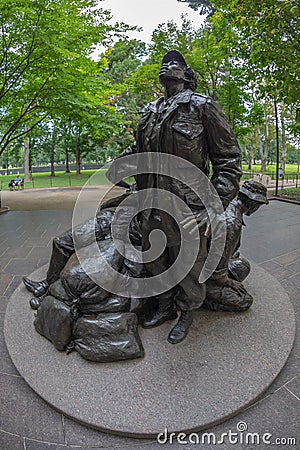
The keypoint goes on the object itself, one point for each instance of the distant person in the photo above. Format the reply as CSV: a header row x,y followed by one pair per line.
x,y
15,183
18,182
11,185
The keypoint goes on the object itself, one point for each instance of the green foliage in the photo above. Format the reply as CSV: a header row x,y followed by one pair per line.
x,y
246,55
145,82
251,58
204,6
45,68
123,59
295,127
290,194
268,40
290,169
135,81
44,180
169,36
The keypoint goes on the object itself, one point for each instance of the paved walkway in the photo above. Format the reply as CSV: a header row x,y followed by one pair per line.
x,y
271,239
52,198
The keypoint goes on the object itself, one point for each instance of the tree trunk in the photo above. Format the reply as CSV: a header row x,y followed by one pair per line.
x,y
52,153
283,135
263,164
267,139
30,161
67,160
261,151
249,153
52,170
78,155
27,172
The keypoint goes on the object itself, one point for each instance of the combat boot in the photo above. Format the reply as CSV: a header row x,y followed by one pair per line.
x,y
179,332
36,302
37,288
166,311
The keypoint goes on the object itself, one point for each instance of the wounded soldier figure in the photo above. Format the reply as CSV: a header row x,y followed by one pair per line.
x,y
75,312
224,289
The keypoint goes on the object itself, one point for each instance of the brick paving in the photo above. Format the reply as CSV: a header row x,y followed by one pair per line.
x,y
271,239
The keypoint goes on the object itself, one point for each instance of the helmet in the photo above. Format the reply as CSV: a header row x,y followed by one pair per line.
x,y
255,191
239,268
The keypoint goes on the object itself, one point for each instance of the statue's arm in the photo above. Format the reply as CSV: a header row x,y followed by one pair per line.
x,y
112,174
224,152
233,231
225,157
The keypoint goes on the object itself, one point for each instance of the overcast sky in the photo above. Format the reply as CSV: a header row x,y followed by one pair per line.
x,y
148,14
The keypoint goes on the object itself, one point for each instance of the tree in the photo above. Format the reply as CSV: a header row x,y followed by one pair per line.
x,y
123,63
264,37
204,6
45,48
269,41
169,35
27,168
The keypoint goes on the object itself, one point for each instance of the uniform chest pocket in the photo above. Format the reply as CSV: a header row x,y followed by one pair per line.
x,y
190,130
145,120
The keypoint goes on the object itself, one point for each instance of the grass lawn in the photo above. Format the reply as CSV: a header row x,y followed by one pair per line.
x,y
290,193
61,179
271,168
92,177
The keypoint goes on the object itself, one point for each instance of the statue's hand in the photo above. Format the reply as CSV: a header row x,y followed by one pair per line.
x,y
231,283
220,278
131,188
207,218
237,286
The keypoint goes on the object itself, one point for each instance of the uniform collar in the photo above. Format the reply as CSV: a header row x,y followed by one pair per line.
x,y
181,97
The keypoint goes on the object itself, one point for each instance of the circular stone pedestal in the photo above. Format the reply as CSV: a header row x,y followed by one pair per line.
x,y
225,363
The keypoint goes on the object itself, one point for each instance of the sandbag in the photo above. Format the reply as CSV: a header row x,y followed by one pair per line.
x,y
57,290
236,298
108,337
76,280
54,322
110,304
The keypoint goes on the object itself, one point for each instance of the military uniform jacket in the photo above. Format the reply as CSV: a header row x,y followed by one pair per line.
x,y
193,127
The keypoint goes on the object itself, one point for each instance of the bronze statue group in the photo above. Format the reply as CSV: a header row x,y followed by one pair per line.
x,y
74,312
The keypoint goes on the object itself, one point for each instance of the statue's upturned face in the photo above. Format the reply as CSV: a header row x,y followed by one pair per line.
x,y
173,70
